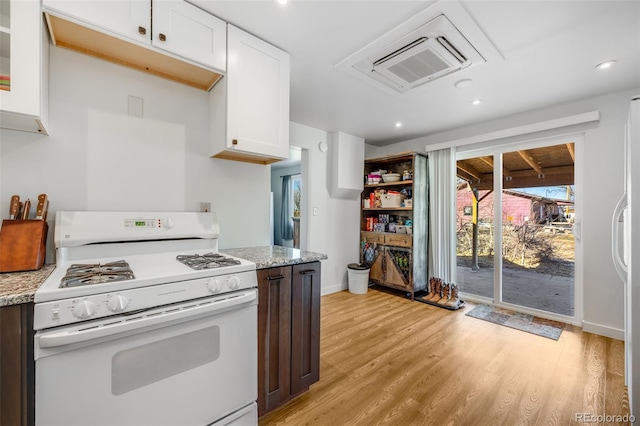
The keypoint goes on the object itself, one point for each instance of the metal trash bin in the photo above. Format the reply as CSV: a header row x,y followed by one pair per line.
x,y
358,276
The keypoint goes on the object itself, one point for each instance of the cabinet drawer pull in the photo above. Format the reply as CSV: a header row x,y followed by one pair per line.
x,y
277,277
307,271
142,30
163,37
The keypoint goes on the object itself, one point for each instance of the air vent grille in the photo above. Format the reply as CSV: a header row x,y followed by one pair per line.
x,y
427,47
419,66
455,52
400,51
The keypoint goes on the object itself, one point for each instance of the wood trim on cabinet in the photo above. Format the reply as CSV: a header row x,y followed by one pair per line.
x,y
246,157
113,49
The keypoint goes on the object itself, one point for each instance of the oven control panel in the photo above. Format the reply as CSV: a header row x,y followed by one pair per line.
x,y
86,308
141,223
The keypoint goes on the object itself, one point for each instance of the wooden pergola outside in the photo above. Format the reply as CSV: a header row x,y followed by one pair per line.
x,y
539,167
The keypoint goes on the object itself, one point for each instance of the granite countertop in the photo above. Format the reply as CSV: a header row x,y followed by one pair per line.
x,y
19,287
274,256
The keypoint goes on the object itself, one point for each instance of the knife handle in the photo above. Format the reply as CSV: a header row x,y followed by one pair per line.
x,y
14,207
25,209
46,210
42,201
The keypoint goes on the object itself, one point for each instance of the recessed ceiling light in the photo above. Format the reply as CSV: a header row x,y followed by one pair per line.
x,y
605,65
282,2
476,102
466,82
398,124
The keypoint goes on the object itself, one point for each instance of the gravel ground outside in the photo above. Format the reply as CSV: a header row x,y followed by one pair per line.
x,y
539,290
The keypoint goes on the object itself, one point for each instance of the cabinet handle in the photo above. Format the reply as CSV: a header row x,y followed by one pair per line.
x,y
277,277
163,37
234,141
142,30
307,271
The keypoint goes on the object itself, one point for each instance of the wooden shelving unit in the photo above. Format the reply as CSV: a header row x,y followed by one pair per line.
x,y
399,260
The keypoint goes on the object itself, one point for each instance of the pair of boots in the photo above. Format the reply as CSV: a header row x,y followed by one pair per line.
x,y
445,294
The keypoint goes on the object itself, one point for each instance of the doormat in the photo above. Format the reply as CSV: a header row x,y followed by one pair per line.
x,y
519,321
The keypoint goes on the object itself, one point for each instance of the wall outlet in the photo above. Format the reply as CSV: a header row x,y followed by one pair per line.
x,y
205,207
135,106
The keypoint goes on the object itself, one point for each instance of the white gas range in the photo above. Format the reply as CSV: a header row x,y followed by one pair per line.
x,y
147,322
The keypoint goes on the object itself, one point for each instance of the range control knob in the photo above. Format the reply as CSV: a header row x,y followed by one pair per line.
x,y
117,303
214,285
169,223
234,283
84,309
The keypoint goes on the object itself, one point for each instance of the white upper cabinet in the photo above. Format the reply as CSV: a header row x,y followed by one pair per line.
x,y
250,107
168,38
127,18
185,30
24,58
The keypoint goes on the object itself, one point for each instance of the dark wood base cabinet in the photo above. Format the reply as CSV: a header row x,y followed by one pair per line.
x,y
288,333
16,365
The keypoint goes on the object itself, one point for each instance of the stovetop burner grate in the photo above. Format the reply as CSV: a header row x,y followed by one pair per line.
x,y
206,261
95,273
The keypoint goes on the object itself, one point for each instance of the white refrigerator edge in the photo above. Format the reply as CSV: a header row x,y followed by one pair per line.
x,y
626,252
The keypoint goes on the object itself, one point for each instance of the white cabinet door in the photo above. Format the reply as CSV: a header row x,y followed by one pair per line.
x,y
127,18
257,96
24,67
183,29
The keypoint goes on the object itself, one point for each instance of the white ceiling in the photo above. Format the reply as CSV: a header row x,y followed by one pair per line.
x,y
550,50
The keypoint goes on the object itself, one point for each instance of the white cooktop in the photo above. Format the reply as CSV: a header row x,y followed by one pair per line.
x,y
148,269
148,241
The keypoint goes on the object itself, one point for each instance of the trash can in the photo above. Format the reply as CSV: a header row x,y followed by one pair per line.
x,y
358,276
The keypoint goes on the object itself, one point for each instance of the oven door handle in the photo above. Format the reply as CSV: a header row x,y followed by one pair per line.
x,y
146,319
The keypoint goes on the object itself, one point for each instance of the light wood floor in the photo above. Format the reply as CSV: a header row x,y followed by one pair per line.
x,y
387,360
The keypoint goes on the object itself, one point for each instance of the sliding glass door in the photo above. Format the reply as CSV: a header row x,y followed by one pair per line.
x,y
474,226
516,213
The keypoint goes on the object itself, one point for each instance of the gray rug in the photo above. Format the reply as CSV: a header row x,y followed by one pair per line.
x,y
529,323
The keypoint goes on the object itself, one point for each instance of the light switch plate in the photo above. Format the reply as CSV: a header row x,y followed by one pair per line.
x,y
135,106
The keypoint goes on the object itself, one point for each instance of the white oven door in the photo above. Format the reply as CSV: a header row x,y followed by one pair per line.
x,y
188,364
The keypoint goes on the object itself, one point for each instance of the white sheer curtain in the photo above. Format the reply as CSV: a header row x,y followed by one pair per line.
x,y
442,214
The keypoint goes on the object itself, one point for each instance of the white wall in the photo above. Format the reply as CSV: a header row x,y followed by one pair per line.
x,y
97,157
603,184
336,229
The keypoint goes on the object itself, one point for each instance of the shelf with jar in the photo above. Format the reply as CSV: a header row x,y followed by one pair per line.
x,y
393,220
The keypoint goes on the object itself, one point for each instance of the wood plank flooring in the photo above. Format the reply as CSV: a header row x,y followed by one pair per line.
x,y
389,361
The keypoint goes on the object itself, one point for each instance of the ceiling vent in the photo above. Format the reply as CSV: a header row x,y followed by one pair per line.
x,y
418,52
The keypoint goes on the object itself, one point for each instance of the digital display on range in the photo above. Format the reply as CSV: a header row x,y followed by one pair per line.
x,y
141,223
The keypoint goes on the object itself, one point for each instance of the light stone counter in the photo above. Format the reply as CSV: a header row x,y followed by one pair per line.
x,y
19,287
274,256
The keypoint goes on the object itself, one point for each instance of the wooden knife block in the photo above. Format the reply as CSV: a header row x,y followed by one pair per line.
x,y
22,245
